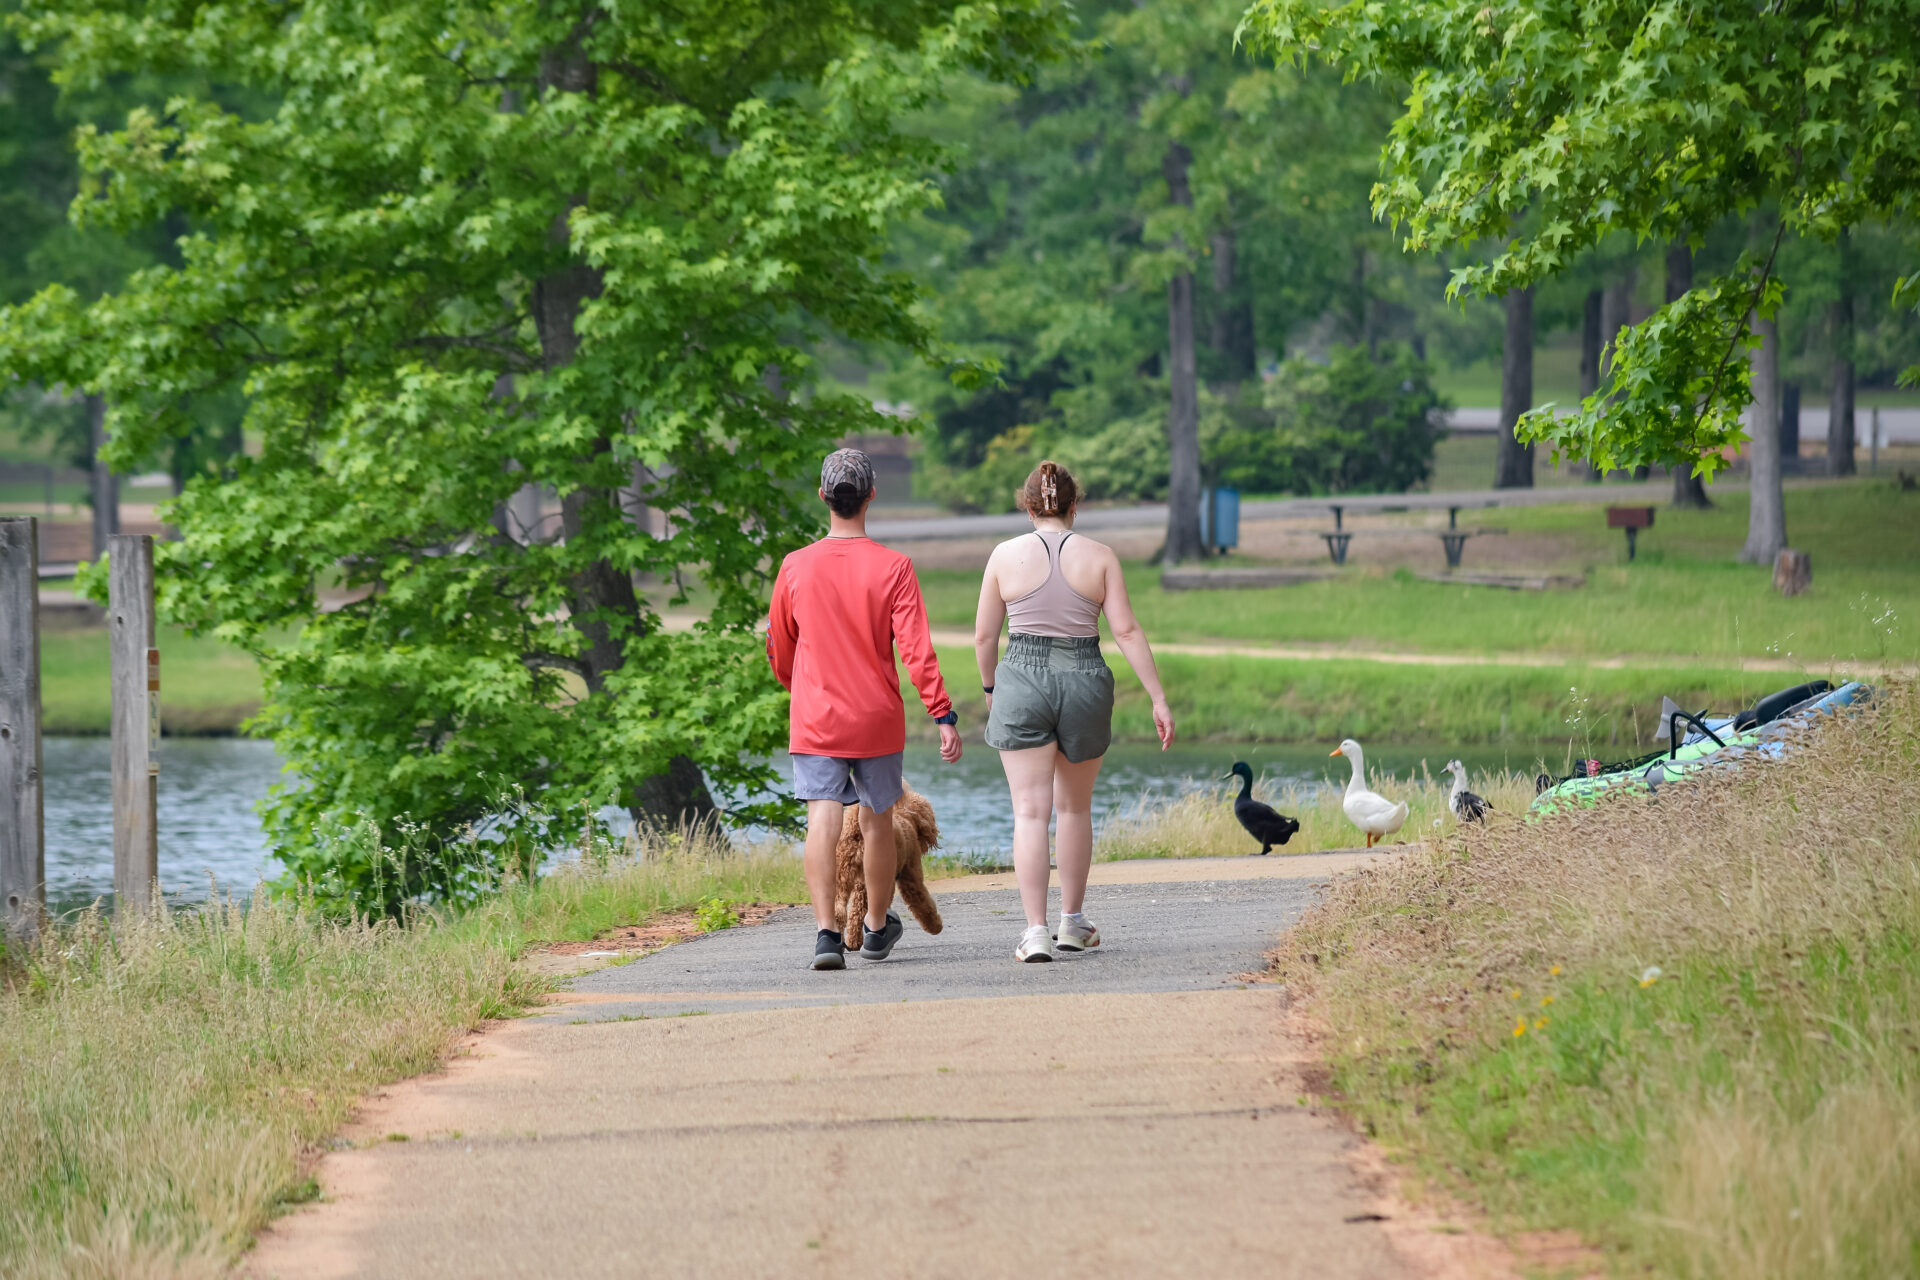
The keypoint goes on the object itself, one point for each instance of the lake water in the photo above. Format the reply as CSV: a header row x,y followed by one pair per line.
x,y
210,789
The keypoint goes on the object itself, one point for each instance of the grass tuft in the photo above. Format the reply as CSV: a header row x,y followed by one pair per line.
x,y
1684,1025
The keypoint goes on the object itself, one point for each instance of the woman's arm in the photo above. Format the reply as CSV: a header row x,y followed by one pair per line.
x,y
1133,643
986,626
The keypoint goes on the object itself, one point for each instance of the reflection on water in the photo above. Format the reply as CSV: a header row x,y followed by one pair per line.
x,y
210,788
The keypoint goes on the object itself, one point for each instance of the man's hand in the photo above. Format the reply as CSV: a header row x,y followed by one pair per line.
x,y
949,743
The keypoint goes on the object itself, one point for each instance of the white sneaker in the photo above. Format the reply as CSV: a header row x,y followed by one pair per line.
x,y
1076,937
1036,947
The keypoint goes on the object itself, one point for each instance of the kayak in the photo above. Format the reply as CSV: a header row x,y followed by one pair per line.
x,y
1702,741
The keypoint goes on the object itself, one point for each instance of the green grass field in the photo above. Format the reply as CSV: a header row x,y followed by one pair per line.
x,y
205,686
1684,597
1683,615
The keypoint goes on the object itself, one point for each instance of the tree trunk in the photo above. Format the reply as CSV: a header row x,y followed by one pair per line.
x,y
105,484
1590,344
1688,489
1840,437
1513,468
605,609
1590,357
1766,514
1232,314
1615,301
1183,414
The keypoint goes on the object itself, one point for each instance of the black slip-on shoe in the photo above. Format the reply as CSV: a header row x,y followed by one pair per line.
x,y
829,950
878,946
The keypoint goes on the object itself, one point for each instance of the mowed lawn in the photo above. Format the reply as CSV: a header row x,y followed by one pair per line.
x,y
1684,596
205,686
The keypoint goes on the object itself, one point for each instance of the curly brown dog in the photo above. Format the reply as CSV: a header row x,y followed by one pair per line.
x,y
914,833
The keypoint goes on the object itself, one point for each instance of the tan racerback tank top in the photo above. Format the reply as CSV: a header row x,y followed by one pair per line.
x,y
1054,608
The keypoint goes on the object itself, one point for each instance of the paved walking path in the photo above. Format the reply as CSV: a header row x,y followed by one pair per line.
x,y
1134,1111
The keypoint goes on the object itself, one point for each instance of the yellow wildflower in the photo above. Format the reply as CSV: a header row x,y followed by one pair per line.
x,y
1554,972
1545,1001
1539,1023
1520,1027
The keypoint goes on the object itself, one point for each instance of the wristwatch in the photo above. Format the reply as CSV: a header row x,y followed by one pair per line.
x,y
952,717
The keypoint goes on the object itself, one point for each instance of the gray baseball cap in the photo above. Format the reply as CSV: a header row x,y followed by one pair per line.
x,y
847,466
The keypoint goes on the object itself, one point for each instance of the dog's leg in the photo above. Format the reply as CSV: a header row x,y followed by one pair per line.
x,y
849,879
919,899
856,926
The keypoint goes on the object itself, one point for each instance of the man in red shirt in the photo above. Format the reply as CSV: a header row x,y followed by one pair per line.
x,y
839,607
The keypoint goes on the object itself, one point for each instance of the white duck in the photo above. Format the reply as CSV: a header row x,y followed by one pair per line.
x,y
1372,813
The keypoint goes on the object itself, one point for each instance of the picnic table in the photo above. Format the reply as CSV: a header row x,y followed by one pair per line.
x,y
1453,539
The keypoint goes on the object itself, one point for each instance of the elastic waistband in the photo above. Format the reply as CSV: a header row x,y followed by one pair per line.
x,y
1061,653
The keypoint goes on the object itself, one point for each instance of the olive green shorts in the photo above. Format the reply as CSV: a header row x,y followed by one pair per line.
x,y
1052,689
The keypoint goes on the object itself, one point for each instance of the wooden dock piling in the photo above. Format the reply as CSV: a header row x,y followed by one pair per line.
x,y
135,674
23,849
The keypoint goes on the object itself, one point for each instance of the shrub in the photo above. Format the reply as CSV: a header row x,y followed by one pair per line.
x,y
1358,423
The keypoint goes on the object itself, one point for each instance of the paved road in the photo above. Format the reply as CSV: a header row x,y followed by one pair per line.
x,y
1133,1112
1155,938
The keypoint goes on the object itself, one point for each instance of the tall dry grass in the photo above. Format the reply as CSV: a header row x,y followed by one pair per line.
x,y
168,1078
1688,1025
1200,823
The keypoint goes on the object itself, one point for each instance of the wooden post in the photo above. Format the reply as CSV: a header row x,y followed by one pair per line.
x,y
23,850
136,707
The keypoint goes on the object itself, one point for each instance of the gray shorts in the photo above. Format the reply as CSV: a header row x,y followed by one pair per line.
x,y
1052,689
874,782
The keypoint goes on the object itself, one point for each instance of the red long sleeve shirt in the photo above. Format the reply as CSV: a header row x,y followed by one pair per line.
x,y
839,607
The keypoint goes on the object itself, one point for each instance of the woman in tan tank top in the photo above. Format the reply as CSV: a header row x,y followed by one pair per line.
x,y
1050,700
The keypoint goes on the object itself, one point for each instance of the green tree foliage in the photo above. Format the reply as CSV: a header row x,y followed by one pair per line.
x,y
479,247
1059,231
1547,128
39,180
1362,422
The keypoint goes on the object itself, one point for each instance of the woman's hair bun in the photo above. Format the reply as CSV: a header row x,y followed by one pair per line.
x,y
1049,491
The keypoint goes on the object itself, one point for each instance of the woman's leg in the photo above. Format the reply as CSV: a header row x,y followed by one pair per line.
x,y
1030,781
1073,828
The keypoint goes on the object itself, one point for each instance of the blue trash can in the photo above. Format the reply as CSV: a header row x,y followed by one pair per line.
x,y
1220,519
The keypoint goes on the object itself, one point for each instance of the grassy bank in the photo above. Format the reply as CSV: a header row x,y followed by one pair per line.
x,y
205,686
1230,699
1684,1027
210,688
1684,597
168,1079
